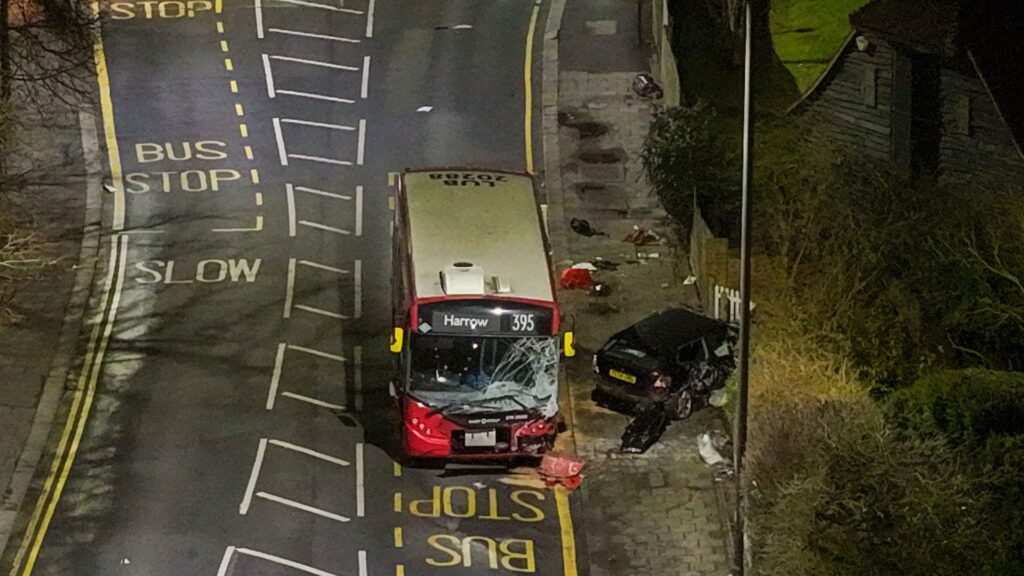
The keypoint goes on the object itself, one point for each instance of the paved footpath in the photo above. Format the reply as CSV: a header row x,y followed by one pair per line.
x,y
657,513
45,193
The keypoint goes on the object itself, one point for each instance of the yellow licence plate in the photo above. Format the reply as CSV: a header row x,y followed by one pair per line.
x,y
622,376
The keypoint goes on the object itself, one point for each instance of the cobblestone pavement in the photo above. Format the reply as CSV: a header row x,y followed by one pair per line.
x,y
656,513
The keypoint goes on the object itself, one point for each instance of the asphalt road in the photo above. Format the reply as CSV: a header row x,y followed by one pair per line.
x,y
240,423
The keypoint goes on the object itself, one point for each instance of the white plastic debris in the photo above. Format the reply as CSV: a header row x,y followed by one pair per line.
x,y
424,108
585,266
707,450
690,280
718,398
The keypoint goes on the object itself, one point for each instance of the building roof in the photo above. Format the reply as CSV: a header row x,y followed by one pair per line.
x,y
986,31
928,25
488,219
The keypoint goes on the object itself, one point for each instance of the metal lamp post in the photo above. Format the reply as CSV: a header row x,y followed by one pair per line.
x,y
740,429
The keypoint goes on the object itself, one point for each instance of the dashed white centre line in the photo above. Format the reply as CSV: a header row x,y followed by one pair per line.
x,y
317,124
315,63
258,7
323,266
310,452
362,142
281,152
369,19
313,35
269,75
275,378
323,6
253,476
360,488
357,361
316,352
320,159
359,210
324,227
366,77
284,562
290,194
313,96
289,290
303,507
358,289
314,401
323,193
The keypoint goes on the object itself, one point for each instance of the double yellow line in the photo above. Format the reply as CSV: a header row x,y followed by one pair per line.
x,y
567,533
103,320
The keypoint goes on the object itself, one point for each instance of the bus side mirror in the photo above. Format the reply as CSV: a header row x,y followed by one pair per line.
x,y
568,344
397,339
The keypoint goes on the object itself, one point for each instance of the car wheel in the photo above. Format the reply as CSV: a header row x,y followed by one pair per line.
x,y
680,404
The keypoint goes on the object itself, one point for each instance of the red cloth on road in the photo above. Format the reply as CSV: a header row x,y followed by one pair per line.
x,y
576,278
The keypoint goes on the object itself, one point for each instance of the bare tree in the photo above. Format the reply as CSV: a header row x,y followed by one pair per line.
x,y
46,46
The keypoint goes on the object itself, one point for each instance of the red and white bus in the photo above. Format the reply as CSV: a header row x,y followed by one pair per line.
x,y
476,322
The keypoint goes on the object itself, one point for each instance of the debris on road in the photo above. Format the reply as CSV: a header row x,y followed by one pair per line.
x,y
576,278
561,468
583,228
603,264
640,236
708,453
645,429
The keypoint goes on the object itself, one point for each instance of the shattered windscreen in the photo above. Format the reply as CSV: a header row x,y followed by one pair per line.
x,y
468,374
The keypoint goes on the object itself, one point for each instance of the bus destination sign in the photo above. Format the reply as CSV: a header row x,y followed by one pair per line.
x,y
484,318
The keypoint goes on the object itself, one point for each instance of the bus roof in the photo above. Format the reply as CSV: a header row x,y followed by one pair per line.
x,y
487,219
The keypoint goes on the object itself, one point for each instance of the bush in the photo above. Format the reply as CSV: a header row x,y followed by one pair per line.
x,y
839,492
967,407
980,413
692,151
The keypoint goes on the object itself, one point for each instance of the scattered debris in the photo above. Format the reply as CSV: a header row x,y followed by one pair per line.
x,y
560,468
584,266
479,485
708,453
603,264
645,255
664,284
600,289
645,85
576,278
645,429
691,279
718,398
583,228
424,108
640,236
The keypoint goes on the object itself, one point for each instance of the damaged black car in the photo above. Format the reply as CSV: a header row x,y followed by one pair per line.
x,y
675,357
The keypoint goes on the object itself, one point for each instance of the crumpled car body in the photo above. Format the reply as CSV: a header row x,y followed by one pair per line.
x,y
675,357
